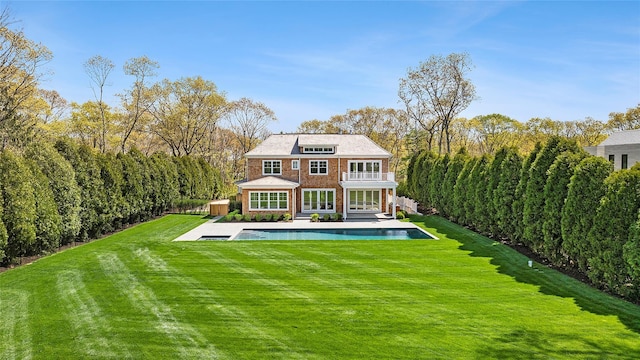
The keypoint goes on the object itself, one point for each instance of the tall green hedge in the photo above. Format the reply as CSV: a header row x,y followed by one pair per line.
x,y
19,205
616,214
586,189
520,194
53,195
63,184
555,193
563,204
504,196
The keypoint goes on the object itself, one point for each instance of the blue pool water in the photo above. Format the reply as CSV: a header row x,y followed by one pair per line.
x,y
333,234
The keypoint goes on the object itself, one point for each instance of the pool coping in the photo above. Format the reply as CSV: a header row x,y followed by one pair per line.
x,y
231,229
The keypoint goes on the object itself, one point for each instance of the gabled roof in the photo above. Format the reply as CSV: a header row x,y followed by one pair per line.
x,y
347,145
622,138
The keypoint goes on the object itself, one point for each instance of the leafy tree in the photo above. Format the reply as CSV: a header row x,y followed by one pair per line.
x,y
89,122
585,190
436,92
494,131
534,195
629,120
249,121
19,205
62,181
184,112
555,194
618,210
504,195
520,194
21,62
454,168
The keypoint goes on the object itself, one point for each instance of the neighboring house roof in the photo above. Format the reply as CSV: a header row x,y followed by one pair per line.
x,y
622,138
347,145
268,182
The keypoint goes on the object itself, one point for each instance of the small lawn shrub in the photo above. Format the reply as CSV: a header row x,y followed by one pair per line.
x,y
326,217
315,217
337,217
400,215
259,217
238,217
230,216
246,218
286,217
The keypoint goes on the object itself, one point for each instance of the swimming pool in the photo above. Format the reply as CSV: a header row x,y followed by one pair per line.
x,y
332,234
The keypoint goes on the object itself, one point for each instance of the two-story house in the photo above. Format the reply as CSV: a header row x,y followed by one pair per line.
x,y
318,173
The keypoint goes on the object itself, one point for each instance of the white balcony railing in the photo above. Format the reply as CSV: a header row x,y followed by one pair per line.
x,y
368,176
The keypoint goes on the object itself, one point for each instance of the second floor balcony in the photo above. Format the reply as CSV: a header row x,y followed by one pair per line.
x,y
368,176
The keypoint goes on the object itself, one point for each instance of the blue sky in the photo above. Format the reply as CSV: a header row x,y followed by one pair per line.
x,y
311,60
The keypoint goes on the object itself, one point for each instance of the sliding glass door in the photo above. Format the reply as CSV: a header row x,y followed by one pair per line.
x,y
364,200
318,200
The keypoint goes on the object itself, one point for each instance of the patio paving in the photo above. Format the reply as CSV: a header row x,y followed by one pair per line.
x,y
230,229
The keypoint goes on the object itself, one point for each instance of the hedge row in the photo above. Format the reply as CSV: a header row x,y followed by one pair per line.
x,y
563,204
51,195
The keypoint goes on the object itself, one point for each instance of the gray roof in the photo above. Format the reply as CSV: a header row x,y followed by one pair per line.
x,y
347,145
270,182
622,138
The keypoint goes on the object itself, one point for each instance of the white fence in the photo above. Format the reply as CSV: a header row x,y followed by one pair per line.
x,y
406,204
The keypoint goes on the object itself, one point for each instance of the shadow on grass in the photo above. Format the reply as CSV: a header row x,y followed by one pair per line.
x,y
551,282
522,344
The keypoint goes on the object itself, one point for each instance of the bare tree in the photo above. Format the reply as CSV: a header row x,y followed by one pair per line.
x,y
248,120
98,69
137,100
56,105
436,92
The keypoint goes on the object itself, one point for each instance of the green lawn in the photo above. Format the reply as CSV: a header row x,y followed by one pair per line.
x,y
138,295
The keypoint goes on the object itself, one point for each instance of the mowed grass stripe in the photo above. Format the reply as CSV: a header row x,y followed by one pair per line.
x,y
14,332
90,327
237,321
349,302
188,341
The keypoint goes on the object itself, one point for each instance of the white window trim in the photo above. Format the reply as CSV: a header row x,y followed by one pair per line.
x,y
379,202
296,166
286,194
271,161
319,173
319,150
349,172
332,190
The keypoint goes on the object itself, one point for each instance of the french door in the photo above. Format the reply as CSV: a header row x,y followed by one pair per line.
x,y
364,200
317,200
